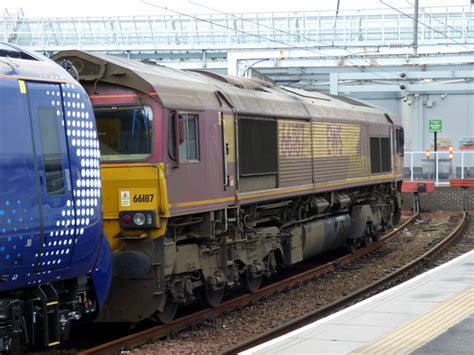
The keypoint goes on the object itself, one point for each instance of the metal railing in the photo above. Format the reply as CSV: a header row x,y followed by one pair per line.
x,y
438,167
353,28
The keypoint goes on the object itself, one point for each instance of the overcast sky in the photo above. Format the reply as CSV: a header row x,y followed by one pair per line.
x,y
84,8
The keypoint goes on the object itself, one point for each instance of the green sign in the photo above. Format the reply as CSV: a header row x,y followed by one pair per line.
x,y
436,126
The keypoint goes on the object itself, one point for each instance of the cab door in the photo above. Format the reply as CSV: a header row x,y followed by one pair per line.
x,y
228,122
57,208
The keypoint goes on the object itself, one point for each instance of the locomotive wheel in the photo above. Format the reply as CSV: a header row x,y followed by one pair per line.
x,y
252,284
212,298
168,313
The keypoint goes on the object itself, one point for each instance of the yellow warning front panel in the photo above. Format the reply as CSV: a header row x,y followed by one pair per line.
x,y
134,199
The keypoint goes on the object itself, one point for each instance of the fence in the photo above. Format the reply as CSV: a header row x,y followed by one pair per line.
x,y
438,166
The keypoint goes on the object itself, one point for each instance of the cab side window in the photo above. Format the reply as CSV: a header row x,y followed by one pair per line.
x,y
183,137
52,160
188,137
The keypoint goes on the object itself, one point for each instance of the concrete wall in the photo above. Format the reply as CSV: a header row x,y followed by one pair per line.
x,y
390,104
443,199
456,111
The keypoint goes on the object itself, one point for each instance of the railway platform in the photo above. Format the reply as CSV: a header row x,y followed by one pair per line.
x,y
432,313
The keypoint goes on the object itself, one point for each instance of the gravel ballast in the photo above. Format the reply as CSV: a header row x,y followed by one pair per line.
x,y
220,333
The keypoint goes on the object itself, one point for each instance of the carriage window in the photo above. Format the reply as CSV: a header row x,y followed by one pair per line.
x,y
53,167
188,137
125,133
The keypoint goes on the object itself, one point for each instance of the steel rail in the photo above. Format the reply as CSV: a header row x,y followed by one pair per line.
x,y
157,332
354,297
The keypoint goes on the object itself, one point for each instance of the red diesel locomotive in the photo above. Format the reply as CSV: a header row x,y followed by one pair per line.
x,y
211,181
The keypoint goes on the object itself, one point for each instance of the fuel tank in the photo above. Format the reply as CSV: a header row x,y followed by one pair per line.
x,y
326,234
316,237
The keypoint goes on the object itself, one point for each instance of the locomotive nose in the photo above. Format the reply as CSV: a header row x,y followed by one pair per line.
x,y
134,201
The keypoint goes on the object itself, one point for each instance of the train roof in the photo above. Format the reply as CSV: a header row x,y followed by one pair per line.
x,y
201,90
21,63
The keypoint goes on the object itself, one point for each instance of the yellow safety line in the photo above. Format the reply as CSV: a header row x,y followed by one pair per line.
x,y
418,332
202,202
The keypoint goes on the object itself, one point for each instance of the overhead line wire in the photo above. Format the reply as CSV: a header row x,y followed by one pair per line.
x,y
230,28
282,31
434,18
258,24
424,24
259,36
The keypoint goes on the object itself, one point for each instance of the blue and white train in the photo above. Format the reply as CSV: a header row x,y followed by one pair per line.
x,y
55,264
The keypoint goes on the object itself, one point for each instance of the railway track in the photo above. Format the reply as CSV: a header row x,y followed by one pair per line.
x,y
356,296
157,332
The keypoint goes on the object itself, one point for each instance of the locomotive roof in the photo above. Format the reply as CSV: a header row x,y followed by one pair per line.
x,y
201,90
18,62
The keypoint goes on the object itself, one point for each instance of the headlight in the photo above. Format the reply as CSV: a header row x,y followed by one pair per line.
x,y
137,219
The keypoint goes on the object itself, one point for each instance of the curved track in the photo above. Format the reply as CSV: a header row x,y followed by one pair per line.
x,y
157,332
352,298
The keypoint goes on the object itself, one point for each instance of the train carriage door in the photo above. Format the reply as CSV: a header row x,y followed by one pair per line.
x,y
19,211
228,123
388,149
52,160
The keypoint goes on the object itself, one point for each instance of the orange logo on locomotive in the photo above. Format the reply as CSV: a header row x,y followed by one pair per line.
x,y
292,140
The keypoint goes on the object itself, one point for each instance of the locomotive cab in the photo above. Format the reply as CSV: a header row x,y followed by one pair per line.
x,y
126,136
134,196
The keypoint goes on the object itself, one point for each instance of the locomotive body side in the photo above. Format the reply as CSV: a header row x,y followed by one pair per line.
x,y
238,178
54,261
